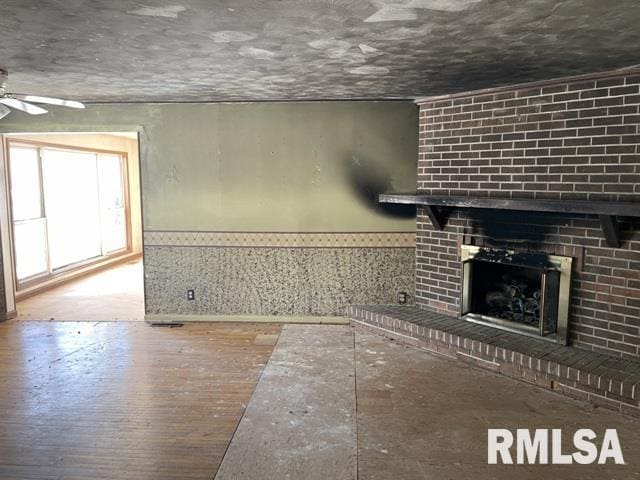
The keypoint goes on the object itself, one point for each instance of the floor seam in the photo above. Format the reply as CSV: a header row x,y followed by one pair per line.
x,y
235,430
355,393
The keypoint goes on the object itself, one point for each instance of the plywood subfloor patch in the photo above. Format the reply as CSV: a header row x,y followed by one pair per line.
x,y
300,423
123,400
424,416
418,416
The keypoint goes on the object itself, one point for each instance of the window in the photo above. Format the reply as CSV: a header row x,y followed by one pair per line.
x,y
69,207
29,225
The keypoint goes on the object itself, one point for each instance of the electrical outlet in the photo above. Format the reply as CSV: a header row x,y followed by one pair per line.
x,y
191,294
402,298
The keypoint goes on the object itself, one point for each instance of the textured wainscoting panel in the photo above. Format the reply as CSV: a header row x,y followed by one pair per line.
x,y
274,281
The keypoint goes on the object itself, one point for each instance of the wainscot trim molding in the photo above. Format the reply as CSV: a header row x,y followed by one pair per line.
x,y
280,239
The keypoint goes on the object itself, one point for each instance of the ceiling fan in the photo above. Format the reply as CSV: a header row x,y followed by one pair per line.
x,y
25,102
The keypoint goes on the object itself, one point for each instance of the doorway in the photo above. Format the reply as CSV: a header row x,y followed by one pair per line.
x,y
74,204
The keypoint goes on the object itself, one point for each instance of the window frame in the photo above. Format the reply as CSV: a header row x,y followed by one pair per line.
x,y
38,279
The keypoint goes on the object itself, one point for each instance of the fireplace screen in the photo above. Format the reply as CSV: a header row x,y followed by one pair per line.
x,y
520,292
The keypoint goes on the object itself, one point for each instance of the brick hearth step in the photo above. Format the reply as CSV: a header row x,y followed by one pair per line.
x,y
590,376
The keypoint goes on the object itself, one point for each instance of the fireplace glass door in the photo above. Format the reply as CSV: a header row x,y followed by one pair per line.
x,y
515,295
517,292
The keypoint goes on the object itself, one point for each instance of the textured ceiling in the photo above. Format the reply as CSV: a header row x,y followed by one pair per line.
x,y
207,50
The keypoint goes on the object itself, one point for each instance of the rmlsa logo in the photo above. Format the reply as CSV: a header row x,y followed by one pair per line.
x,y
535,449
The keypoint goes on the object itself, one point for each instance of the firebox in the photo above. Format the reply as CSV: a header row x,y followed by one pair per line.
x,y
520,292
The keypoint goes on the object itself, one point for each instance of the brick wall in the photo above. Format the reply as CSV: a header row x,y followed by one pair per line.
x,y
577,139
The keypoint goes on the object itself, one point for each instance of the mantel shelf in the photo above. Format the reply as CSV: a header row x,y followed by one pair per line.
x,y
436,206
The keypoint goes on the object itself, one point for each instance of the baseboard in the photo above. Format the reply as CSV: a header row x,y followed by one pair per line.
x,y
167,318
4,316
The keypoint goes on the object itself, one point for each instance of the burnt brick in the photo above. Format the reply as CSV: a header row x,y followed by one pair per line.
x,y
598,92
532,92
626,110
582,85
580,104
605,140
564,132
621,129
583,122
610,120
632,99
576,142
594,112
610,82
628,90
609,101
592,131
554,89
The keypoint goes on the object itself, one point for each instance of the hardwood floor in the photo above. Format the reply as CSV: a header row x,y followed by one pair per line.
x,y
113,294
124,400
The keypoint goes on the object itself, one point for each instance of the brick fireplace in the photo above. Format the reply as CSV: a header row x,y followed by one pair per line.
x,y
566,140
537,185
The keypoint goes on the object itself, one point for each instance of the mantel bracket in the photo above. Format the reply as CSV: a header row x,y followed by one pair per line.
x,y
437,208
437,216
611,230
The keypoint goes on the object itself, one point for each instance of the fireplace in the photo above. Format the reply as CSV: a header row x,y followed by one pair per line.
x,y
520,292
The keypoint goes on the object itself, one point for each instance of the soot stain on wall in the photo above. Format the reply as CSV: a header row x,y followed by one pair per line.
x,y
369,179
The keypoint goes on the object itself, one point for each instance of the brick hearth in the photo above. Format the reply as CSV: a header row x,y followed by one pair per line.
x,y
590,376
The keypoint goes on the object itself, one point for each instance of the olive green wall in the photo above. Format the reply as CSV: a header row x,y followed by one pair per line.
x,y
276,200
260,166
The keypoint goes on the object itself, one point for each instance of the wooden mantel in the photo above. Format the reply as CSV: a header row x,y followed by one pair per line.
x,y
436,206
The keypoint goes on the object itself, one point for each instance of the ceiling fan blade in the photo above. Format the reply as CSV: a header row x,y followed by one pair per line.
x,y
25,107
48,100
4,111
